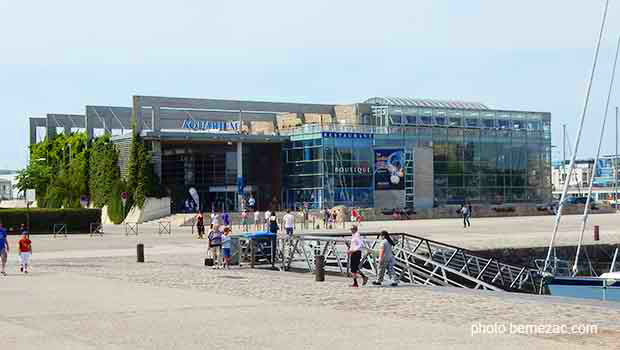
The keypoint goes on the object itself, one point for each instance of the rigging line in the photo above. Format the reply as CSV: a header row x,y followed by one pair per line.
x,y
583,114
586,210
573,173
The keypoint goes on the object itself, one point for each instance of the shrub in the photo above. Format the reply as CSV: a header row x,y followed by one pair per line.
x,y
116,211
42,220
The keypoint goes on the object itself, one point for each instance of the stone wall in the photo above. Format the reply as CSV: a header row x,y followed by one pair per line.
x,y
374,214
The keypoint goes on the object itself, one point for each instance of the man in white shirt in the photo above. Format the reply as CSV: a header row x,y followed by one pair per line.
x,y
267,215
257,220
289,222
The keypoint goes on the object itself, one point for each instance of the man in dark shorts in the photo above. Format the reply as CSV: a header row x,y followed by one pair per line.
x,y
355,253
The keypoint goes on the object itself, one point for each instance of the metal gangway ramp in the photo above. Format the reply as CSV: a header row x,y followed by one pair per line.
x,y
418,261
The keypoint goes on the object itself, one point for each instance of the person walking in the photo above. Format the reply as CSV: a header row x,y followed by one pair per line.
x,y
257,220
200,224
215,243
289,223
226,219
386,260
273,223
25,252
266,222
4,249
252,203
355,257
465,213
244,221
326,216
215,219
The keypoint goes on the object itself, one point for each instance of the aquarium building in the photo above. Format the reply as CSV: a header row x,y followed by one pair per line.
x,y
383,152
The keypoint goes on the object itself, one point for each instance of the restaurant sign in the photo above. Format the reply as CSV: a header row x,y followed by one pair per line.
x,y
210,125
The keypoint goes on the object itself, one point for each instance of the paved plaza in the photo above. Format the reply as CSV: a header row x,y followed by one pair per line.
x,y
89,293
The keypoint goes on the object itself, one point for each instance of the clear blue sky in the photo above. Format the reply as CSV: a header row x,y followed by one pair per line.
x,y
58,56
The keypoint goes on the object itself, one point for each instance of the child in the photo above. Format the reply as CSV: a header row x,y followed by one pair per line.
x,y
226,247
25,251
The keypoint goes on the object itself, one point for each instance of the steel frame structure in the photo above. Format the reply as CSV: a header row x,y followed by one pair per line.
x,y
418,261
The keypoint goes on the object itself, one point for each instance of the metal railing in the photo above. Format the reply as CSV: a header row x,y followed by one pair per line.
x,y
315,128
165,227
131,228
418,261
96,229
59,230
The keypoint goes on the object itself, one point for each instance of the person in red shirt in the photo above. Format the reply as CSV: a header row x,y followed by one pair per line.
x,y
25,251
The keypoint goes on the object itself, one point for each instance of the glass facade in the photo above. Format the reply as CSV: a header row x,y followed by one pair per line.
x,y
329,169
480,156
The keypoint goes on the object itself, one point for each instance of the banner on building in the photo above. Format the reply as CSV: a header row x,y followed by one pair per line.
x,y
389,169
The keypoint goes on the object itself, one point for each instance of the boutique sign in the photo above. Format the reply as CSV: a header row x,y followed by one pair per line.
x,y
353,170
210,125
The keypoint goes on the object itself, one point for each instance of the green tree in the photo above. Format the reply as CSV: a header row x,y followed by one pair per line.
x,y
37,175
137,171
103,170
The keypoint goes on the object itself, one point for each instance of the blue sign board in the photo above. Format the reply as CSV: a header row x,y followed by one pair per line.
x,y
347,135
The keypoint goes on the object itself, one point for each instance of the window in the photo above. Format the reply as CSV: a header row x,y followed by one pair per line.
x,y
440,121
471,123
488,123
454,121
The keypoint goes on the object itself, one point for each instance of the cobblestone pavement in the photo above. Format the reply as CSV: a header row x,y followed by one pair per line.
x,y
441,305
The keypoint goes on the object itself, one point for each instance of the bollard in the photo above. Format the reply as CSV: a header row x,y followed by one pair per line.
x,y
319,268
596,233
140,251
252,252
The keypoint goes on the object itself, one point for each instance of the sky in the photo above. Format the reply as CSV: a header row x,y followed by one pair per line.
x,y
59,56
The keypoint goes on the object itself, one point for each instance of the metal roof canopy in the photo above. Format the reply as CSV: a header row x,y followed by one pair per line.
x,y
185,136
167,108
416,102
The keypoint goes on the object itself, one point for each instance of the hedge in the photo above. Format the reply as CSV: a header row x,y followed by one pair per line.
x,y
42,220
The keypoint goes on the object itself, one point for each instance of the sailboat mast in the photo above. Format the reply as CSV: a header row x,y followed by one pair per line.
x,y
564,153
586,210
616,165
578,139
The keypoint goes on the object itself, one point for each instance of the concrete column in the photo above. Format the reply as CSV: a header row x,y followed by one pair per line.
x,y
155,118
239,170
51,129
156,157
88,121
137,112
33,132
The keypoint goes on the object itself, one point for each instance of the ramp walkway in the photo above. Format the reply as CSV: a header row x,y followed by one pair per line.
x,y
418,261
